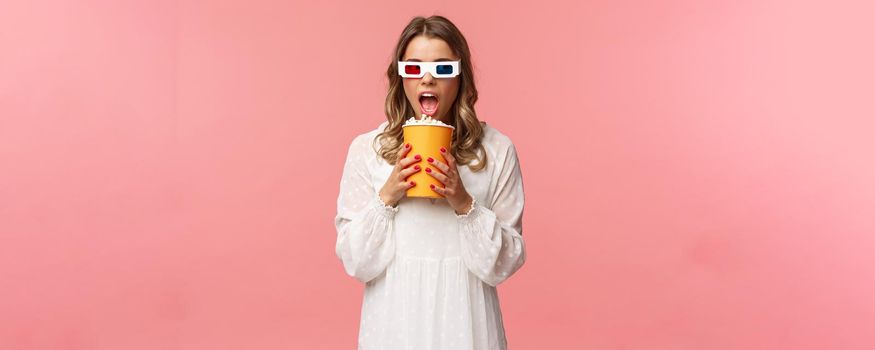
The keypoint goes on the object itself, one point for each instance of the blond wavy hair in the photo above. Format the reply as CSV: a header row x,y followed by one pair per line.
x,y
468,134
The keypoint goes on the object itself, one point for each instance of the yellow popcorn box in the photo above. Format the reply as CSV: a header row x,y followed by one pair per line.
x,y
426,140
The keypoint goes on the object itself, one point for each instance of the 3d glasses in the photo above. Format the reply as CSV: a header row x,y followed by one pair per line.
x,y
414,69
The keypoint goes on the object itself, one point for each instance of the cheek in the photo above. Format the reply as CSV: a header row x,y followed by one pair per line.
x,y
451,90
409,89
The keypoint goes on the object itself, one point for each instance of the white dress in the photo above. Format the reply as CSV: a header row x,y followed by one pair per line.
x,y
430,274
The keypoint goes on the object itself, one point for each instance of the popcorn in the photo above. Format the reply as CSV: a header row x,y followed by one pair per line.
x,y
426,120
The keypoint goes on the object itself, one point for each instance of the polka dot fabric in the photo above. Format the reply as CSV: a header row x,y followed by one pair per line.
x,y
430,274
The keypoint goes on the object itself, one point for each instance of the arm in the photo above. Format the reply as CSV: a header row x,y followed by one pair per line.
x,y
365,241
491,239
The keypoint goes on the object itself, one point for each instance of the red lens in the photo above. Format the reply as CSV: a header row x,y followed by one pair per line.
x,y
411,69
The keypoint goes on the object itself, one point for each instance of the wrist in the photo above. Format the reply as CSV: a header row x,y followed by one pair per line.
x,y
466,207
387,201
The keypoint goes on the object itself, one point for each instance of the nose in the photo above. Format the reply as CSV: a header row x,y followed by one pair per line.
x,y
427,78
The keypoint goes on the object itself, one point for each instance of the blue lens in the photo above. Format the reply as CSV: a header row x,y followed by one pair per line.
x,y
444,69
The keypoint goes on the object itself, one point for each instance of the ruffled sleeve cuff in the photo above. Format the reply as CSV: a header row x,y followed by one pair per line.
x,y
382,207
471,212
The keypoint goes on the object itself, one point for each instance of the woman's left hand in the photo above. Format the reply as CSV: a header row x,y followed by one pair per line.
x,y
454,190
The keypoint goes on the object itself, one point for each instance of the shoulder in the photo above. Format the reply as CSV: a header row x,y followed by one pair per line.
x,y
497,141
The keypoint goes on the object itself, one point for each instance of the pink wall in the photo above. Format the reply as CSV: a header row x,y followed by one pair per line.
x,y
699,174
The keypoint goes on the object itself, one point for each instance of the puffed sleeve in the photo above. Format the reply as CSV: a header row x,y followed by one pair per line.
x,y
491,234
365,241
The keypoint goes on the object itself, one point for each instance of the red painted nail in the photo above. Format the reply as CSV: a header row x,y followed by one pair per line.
x,y
432,186
412,183
443,149
407,146
416,167
417,157
430,159
428,170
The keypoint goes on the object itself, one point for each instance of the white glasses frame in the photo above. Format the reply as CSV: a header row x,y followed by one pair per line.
x,y
428,67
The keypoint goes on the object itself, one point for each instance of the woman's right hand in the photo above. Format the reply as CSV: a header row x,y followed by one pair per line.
x,y
396,185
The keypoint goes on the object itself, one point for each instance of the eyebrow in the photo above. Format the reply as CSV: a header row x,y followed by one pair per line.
x,y
437,60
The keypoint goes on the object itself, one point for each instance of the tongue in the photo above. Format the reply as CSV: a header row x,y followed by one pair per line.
x,y
429,104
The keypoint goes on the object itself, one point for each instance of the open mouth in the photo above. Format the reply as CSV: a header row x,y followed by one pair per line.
x,y
428,103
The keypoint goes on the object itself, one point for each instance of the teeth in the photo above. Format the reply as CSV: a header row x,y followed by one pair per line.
x,y
428,94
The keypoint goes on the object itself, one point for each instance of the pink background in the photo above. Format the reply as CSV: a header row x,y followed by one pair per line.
x,y
699,174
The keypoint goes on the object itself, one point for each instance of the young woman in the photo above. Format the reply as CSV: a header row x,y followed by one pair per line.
x,y
430,266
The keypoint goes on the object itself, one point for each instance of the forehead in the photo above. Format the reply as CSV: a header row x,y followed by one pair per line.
x,y
428,49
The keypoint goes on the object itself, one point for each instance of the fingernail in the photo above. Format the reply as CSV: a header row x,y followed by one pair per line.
x,y
430,159
416,167
407,146
443,149
417,157
432,186
428,170
412,183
